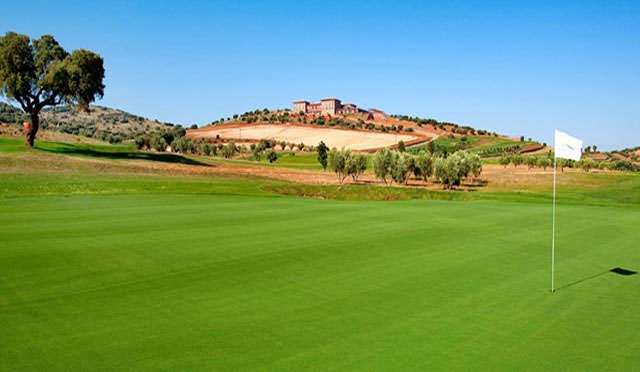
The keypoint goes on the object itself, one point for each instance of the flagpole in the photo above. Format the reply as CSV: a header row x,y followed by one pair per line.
x,y
553,228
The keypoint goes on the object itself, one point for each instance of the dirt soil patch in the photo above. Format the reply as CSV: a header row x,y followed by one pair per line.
x,y
309,135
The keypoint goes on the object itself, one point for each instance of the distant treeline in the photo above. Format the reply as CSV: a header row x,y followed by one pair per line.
x,y
285,116
442,125
586,163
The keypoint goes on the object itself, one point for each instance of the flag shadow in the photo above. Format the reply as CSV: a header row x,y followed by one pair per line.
x,y
615,270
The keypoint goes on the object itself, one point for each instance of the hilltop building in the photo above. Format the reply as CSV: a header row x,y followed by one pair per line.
x,y
327,106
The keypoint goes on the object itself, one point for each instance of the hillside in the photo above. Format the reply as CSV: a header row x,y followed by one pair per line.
x,y
102,123
355,131
629,154
11,115
359,131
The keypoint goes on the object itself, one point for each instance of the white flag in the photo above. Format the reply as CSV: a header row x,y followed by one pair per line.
x,y
567,147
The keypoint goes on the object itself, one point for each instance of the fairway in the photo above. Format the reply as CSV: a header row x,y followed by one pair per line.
x,y
177,282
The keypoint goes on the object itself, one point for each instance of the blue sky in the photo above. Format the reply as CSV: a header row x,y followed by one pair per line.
x,y
519,68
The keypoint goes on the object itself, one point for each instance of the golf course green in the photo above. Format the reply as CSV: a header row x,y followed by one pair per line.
x,y
249,281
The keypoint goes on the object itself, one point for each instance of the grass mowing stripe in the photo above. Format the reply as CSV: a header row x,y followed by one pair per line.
x,y
219,282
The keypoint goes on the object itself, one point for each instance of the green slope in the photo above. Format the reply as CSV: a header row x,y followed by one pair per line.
x,y
167,282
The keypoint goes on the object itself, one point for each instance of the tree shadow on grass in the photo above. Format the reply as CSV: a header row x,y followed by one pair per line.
x,y
70,149
615,270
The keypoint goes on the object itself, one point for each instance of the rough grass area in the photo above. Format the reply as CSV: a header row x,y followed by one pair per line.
x,y
54,168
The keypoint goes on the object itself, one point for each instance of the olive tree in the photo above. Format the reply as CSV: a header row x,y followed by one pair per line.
x,y
206,149
158,143
473,164
424,163
229,150
356,164
505,160
37,73
256,153
449,170
338,163
516,160
411,166
400,167
382,164
561,163
604,165
140,141
544,163
587,164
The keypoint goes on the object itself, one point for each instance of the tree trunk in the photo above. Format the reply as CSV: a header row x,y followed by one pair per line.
x,y
31,133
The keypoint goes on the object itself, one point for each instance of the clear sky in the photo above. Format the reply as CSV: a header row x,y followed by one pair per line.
x,y
519,68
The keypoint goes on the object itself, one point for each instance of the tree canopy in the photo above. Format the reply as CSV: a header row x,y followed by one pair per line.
x,y
39,72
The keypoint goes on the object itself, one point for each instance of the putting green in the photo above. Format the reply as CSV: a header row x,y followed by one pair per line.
x,y
240,283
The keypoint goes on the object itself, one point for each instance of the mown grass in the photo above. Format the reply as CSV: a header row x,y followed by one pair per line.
x,y
200,282
11,145
108,268
291,160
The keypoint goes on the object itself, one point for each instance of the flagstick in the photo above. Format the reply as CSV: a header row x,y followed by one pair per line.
x,y
553,229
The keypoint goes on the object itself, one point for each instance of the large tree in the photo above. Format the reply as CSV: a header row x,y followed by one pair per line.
x,y
39,72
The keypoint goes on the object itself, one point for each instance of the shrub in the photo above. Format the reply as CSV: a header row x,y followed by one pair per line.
x,y
272,156
401,146
264,144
